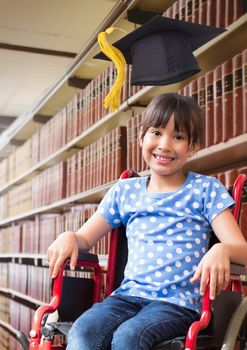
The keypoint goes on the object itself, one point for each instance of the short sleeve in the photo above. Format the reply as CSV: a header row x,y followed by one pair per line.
x,y
216,199
109,208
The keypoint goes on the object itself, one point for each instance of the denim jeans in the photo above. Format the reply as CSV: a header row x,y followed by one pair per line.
x,y
129,323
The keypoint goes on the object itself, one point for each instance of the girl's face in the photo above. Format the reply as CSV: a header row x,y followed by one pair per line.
x,y
165,150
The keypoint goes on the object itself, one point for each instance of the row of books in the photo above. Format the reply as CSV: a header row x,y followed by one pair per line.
x,y
227,178
8,341
4,308
99,163
16,163
217,13
34,281
221,94
49,186
34,236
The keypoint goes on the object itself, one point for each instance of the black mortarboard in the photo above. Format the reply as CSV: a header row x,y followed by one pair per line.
x,y
161,50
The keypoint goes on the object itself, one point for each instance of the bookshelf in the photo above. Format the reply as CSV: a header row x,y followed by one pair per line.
x,y
219,50
217,158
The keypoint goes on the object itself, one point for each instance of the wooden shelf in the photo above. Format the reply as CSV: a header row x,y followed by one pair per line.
x,y
14,295
219,156
25,259
38,259
91,196
8,328
220,49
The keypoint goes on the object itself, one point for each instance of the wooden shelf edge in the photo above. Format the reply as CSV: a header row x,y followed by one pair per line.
x,y
219,156
10,293
8,327
25,258
90,135
90,196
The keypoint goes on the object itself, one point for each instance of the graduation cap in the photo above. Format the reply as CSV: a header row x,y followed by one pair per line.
x,y
160,51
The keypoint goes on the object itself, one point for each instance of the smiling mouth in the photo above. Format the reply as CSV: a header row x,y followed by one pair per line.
x,y
162,158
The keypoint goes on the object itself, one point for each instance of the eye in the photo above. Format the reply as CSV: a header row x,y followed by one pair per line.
x,y
156,132
179,137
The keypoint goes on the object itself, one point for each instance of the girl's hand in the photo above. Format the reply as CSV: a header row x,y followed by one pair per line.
x,y
65,246
215,267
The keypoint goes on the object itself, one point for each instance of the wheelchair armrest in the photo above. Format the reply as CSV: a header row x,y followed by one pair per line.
x,y
236,270
85,259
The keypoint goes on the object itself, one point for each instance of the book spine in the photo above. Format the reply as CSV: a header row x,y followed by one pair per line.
x,y
202,17
121,150
220,13
237,95
211,13
239,8
244,79
195,11
218,116
188,10
209,111
202,100
175,9
229,12
182,9
227,108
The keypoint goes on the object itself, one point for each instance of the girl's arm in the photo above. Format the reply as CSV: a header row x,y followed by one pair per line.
x,y
215,265
67,243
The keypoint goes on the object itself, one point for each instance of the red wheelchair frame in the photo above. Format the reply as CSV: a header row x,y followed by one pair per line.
x,y
39,342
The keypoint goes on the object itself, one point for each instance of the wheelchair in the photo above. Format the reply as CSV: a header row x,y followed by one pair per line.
x,y
222,325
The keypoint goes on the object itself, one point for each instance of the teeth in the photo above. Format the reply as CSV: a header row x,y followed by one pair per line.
x,y
162,158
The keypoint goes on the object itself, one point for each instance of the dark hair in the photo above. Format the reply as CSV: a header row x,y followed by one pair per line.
x,y
188,116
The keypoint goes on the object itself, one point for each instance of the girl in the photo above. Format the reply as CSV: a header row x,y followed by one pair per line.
x,y
168,217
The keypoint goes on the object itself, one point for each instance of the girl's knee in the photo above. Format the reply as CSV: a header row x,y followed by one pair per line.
x,y
125,337
81,336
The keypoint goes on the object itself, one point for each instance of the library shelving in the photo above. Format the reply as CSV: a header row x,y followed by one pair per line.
x,y
224,156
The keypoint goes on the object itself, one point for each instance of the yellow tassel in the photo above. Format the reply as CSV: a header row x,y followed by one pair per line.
x,y
112,100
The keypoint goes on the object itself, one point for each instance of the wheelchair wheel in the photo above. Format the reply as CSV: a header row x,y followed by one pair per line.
x,y
235,326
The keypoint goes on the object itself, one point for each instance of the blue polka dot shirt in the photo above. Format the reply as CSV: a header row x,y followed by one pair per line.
x,y
168,234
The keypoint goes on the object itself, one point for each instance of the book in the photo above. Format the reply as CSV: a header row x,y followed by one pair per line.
x,y
244,79
237,95
227,99
218,118
209,110
202,17
211,13
202,101
220,13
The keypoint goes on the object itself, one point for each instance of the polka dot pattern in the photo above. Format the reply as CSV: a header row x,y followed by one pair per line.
x,y
167,233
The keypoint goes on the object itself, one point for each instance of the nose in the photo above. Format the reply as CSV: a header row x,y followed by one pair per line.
x,y
165,143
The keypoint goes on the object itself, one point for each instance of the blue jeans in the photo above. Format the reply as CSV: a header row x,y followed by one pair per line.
x,y
126,322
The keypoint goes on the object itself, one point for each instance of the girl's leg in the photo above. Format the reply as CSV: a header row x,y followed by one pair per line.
x,y
156,321
93,330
